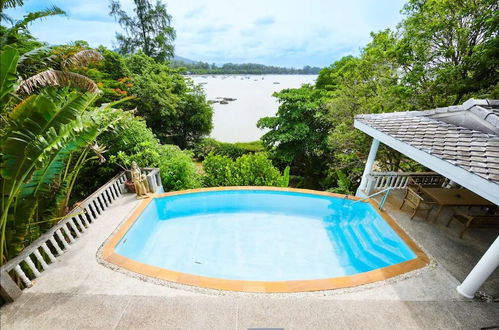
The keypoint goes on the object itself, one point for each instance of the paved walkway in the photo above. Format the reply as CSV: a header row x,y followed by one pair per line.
x,y
78,292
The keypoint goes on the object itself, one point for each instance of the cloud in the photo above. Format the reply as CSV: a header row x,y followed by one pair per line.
x,y
269,20
279,32
194,13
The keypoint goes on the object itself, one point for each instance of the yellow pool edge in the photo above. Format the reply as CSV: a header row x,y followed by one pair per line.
x,y
375,275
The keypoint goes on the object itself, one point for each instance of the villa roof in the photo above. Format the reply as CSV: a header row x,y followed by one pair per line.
x,y
466,136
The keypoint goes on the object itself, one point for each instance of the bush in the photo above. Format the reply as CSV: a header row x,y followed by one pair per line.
x,y
247,170
134,141
232,150
177,170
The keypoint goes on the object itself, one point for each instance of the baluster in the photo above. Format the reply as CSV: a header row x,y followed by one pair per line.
x,y
48,252
40,259
396,182
32,266
66,231
104,200
75,229
117,189
91,214
55,244
122,185
109,195
23,276
82,228
62,238
114,191
83,219
97,206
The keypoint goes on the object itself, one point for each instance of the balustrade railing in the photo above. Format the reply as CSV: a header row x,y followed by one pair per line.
x,y
19,272
400,180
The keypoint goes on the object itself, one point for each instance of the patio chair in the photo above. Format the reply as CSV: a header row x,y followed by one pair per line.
x,y
478,220
417,202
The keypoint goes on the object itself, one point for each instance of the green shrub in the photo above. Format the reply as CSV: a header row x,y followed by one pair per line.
x,y
247,170
232,150
177,169
134,141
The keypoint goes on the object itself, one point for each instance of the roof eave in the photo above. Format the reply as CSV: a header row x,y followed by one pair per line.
x,y
485,188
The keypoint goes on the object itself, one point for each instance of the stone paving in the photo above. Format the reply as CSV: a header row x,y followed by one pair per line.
x,y
79,292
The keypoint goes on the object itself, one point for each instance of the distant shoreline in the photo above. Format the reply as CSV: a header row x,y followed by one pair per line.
x,y
250,74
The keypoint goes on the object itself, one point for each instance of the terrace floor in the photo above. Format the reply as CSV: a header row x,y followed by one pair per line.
x,y
80,292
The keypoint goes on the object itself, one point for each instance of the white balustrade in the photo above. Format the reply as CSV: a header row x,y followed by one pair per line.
x,y
32,261
400,180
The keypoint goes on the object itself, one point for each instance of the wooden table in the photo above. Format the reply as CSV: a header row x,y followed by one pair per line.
x,y
455,197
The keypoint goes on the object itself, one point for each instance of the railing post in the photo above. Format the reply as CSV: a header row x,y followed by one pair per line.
x,y
370,184
369,166
9,290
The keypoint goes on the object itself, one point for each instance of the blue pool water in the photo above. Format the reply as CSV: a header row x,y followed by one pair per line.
x,y
262,236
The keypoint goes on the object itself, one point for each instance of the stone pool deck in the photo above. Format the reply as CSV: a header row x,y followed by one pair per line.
x,y
80,292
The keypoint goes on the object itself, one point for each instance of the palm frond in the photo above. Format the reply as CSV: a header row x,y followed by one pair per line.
x,y
22,24
99,151
33,16
35,52
11,3
5,17
57,78
83,58
8,63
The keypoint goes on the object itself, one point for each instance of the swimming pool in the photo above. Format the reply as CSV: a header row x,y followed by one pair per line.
x,y
262,239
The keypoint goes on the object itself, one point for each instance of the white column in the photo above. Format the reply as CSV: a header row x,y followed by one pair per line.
x,y
369,166
479,274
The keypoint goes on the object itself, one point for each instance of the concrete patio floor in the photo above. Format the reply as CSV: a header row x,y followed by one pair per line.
x,y
79,292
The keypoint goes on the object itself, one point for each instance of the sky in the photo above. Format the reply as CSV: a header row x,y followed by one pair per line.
x,y
290,33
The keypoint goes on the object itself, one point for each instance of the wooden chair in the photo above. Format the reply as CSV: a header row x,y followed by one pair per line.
x,y
417,202
479,220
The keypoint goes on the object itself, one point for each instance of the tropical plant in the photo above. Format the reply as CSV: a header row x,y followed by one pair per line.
x,y
232,150
247,170
297,135
41,133
173,106
11,35
62,77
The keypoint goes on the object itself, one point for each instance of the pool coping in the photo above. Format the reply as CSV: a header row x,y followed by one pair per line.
x,y
380,274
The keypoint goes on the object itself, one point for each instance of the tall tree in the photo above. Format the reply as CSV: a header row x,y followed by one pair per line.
x,y
149,30
449,49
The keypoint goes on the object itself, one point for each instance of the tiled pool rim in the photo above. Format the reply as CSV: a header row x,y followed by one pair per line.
x,y
380,274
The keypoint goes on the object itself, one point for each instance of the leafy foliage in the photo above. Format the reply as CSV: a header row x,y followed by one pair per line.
x,y
57,78
442,53
149,30
232,150
132,140
298,133
173,106
39,137
247,170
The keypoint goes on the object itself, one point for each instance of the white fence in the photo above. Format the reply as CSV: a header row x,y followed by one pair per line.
x,y
42,252
399,180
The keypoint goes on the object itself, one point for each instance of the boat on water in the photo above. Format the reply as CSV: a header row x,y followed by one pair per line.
x,y
276,83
